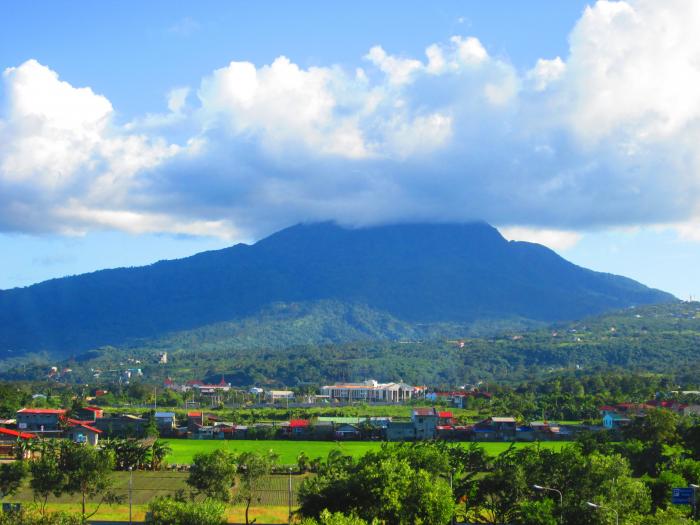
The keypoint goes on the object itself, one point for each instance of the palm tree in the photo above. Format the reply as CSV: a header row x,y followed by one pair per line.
x,y
24,448
303,462
159,451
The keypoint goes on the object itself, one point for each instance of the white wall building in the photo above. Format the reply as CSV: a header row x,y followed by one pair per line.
x,y
369,390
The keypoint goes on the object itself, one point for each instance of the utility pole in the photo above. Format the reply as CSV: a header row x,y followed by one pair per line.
x,y
289,495
452,473
131,479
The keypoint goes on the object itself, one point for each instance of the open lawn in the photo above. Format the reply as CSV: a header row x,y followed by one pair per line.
x,y
288,451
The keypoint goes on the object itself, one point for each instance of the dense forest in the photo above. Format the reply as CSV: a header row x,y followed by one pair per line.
x,y
650,339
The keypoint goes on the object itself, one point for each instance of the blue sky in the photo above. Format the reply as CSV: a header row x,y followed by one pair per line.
x,y
136,131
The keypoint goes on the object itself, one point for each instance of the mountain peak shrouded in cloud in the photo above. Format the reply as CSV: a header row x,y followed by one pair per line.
x,y
603,137
418,273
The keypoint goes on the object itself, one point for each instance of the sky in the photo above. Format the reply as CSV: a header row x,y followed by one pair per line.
x,y
137,131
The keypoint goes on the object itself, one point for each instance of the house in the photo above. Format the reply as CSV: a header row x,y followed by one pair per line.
x,y
545,430
425,422
124,426
347,431
298,428
9,438
400,431
195,419
369,390
613,421
8,435
278,395
89,413
495,429
40,419
80,432
322,430
165,421
454,432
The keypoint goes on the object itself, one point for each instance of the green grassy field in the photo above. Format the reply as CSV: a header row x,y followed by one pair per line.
x,y
288,451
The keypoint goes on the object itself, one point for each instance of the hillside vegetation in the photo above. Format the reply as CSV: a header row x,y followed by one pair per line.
x,y
415,273
659,339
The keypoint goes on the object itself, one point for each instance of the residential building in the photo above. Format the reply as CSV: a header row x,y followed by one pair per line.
x,y
40,419
495,429
124,426
195,419
298,428
165,421
89,413
347,431
278,395
400,431
8,441
80,432
613,421
425,422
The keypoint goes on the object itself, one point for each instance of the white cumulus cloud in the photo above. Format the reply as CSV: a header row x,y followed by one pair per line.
x,y
603,137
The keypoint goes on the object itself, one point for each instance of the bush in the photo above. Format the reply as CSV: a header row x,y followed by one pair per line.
x,y
168,511
33,517
336,518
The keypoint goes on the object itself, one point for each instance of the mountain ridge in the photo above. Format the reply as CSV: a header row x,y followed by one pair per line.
x,y
415,272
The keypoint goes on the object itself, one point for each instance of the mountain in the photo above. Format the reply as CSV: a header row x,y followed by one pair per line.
x,y
418,273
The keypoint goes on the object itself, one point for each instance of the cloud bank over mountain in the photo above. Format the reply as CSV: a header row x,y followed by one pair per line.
x,y
605,137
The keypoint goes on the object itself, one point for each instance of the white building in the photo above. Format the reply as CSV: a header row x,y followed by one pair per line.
x,y
277,395
369,390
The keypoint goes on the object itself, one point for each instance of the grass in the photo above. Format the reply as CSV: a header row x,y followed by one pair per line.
x,y
183,450
288,451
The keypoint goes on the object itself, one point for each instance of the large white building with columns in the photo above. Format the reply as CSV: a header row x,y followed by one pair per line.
x,y
369,390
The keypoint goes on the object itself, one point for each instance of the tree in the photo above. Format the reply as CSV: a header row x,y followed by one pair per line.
x,y
11,477
151,429
213,474
253,468
303,462
88,473
537,513
672,516
128,453
658,426
47,478
388,485
159,451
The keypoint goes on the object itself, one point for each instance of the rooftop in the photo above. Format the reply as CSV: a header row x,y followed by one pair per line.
x,y
57,411
16,434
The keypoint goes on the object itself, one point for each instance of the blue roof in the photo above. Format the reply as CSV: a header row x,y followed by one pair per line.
x,y
165,414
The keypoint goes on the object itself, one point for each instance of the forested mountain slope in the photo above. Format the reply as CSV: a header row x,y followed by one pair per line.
x,y
415,273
